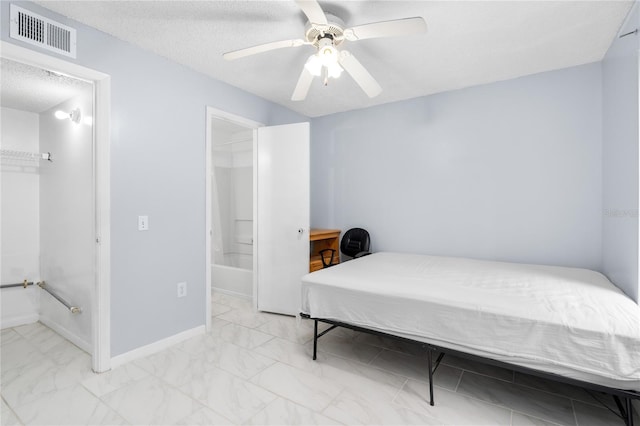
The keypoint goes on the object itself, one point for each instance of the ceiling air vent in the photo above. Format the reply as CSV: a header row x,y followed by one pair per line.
x,y
43,32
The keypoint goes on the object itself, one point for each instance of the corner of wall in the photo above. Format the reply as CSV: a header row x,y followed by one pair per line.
x,y
620,165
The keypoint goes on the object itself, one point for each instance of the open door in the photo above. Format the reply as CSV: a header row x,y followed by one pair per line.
x,y
282,216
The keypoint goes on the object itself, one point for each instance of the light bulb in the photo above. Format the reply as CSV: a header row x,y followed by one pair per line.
x,y
334,70
314,65
75,115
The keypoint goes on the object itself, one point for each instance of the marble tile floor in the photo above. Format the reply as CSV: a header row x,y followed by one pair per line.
x,y
256,368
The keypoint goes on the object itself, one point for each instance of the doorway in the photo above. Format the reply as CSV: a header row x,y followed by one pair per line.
x,y
264,224
231,208
57,157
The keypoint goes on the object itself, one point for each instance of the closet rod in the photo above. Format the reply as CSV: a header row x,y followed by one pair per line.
x,y
72,309
24,284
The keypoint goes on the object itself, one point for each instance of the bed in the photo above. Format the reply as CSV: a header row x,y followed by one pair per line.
x,y
566,323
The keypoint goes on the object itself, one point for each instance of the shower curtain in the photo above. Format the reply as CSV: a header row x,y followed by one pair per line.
x,y
217,240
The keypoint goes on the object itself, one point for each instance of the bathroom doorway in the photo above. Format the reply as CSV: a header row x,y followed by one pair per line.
x,y
232,208
230,205
264,224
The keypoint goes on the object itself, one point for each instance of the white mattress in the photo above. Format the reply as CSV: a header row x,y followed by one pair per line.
x,y
567,321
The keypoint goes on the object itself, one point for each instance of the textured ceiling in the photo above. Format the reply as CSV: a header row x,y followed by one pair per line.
x,y
467,43
31,89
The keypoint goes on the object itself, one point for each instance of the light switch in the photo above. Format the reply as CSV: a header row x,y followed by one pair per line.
x,y
143,223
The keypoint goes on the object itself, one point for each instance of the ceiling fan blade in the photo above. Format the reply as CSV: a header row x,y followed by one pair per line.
x,y
230,56
314,12
360,74
397,27
302,88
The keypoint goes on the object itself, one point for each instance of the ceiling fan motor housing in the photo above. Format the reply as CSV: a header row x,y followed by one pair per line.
x,y
334,29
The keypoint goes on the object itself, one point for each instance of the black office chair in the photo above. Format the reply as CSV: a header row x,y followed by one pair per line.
x,y
355,243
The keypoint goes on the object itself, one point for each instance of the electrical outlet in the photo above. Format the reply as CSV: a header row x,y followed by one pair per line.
x,y
143,223
182,289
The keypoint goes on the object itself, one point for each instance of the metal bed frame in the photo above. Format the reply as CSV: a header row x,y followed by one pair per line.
x,y
622,397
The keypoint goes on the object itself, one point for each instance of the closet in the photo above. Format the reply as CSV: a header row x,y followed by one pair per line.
x,y
48,220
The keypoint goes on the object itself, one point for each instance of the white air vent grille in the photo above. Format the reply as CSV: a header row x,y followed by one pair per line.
x,y
43,32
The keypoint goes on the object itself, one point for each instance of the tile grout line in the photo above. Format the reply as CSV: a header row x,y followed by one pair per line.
x,y
459,381
375,357
406,380
170,385
557,394
462,395
320,412
342,389
537,418
12,410
575,414
557,397
260,411
111,407
370,366
522,385
485,375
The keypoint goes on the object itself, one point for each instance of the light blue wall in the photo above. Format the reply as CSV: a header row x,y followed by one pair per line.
x,y
620,159
508,171
158,169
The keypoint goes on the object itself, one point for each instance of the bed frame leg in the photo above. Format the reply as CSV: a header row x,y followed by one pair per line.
x,y
629,420
430,363
626,409
315,338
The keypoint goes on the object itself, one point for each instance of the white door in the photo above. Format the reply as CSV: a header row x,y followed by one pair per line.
x,y
282,221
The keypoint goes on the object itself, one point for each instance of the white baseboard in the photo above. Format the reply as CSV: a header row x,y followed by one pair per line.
x,y
230,293
155,347
82,344
19,320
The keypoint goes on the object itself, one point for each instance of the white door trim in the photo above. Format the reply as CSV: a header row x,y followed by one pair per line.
x,y
101,320
224,115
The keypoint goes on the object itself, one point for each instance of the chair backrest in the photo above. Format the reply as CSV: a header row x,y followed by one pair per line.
x,y
354,241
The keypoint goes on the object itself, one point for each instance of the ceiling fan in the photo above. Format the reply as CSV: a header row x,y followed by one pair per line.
x,y
326,32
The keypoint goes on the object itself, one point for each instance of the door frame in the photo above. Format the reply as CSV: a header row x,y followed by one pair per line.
x,y
218,114
101,318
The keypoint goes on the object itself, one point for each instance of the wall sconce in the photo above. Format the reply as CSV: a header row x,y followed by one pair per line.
x,y
75,115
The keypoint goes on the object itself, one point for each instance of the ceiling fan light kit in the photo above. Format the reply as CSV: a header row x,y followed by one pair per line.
x,y
326,52
325,32
315,66
326,59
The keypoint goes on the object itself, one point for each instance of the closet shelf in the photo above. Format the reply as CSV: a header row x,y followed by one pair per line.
x,y
10,154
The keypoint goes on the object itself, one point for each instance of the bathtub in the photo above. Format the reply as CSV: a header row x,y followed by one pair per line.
x,y
235,276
